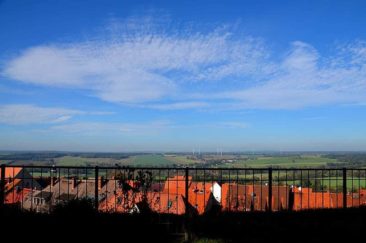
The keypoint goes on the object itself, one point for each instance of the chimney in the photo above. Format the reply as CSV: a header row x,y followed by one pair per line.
x,y
100,182
75,182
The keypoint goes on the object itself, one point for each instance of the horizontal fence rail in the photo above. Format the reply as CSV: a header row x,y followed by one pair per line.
x,y
181,190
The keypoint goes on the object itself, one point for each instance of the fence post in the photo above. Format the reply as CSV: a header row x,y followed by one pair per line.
x,y
270,189
2,186
96,192
186,188
344,188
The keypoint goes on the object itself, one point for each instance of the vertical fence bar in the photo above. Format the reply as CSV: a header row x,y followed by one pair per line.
x,y
270,189
186,189
2,186
96,193
344,188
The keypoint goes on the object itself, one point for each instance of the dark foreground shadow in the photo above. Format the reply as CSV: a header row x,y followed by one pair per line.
x,y
78,221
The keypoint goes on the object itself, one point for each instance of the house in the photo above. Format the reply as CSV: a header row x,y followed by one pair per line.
x,y
132,202
17,179
166,203
199,193
17,196
176,185
60,192
306,198
199,196
38,201
128,198
19,176
238,197
67,189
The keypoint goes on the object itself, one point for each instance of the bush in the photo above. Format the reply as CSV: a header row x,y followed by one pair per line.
x,y
75,207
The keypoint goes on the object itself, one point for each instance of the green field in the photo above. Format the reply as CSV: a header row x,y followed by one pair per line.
x,y
136,160
81,161
283,161
351,184
181,159
242,161
147,160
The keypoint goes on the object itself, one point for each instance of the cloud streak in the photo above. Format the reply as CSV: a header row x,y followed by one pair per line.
x,y
24,114
30,114
115,128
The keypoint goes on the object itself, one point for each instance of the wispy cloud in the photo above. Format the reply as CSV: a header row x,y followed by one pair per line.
x,y
234,125
23,114
304,78
30,114
150,66
137,65
179,105
116,128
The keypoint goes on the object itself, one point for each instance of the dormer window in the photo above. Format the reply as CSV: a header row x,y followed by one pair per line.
x,y
170,203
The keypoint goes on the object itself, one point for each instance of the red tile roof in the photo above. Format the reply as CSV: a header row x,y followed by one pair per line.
x,y
11,172
17,196
176,185
158,202
198,195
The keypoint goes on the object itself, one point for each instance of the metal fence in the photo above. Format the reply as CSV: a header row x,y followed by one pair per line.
x,y
182,190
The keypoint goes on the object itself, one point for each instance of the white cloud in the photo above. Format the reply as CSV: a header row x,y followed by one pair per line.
x,y
30,114
137,66
147,65
302,58
303,79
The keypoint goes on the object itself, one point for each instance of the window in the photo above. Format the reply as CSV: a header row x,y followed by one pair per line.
x,y
36,201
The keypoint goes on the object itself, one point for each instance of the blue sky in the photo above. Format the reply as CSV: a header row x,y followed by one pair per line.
x,y
182,75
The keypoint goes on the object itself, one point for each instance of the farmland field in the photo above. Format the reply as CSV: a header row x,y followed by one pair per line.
x,y
138,160
147,160
283,161
160,159
181,159
81,161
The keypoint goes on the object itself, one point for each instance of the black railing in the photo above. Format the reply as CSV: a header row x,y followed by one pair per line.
x,y
182,190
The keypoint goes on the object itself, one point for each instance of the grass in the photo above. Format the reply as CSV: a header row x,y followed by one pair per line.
x,y
71,161
181,159
285,161
147,160
137,160
351,184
